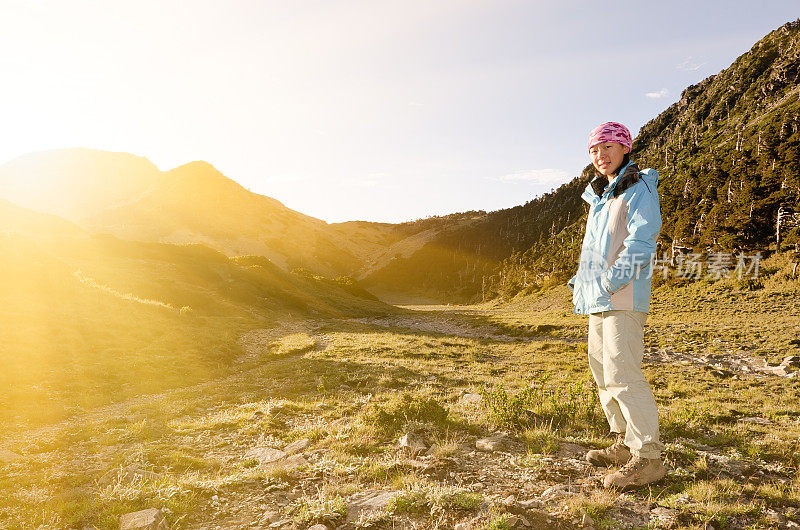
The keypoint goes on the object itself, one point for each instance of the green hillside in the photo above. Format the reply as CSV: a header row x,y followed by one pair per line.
x,y
729,157
729,150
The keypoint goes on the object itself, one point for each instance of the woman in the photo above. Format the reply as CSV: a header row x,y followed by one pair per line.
x,y
612,286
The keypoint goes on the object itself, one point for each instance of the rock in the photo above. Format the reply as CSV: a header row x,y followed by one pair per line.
x,y
755,420
128,475
150,519
774,517
720,372
282,522
264,455
570,450
412,444
432,450
514,522
471,399
491,444
318,527
791,360
270,517
7,456
297,447
530,504
367,502
664,517
554,491
292,462
586,520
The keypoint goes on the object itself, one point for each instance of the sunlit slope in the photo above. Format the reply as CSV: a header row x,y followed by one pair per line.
x,y
14,218
91,320
127,196
195,203
75,183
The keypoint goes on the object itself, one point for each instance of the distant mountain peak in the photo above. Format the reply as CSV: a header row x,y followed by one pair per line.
x,y
201,177
199,166
75,182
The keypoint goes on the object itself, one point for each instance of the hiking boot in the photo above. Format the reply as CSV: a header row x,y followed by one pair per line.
x,y
616,454
636,473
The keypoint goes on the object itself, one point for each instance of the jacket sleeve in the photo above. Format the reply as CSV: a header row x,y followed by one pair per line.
x,y
644,225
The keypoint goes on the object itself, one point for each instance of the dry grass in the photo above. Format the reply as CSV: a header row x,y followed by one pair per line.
x,y
355,396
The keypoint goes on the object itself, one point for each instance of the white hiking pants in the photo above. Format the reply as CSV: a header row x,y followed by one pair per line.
x,y
616,347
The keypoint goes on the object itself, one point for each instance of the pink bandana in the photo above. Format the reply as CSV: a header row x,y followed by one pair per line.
x,y
611,131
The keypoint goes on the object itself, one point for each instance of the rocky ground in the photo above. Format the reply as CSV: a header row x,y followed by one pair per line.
x,y
512,491
241,455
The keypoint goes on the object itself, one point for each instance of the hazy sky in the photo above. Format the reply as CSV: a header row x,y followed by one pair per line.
x,y
360,110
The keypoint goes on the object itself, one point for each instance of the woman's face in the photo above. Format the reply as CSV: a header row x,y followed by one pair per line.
x,y
607,157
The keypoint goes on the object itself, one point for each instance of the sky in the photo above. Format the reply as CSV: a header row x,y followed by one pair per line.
x,y
360,110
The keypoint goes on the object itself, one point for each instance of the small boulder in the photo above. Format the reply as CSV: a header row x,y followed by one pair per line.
x,y
791,360
264,455
368,502
297,447
471,399
499,442
570,450
412,444
292,462
755,420
150,519
775,517
514,522
530,504
559,490
664,517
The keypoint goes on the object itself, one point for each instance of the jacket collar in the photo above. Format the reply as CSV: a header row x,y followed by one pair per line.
x,y
589,194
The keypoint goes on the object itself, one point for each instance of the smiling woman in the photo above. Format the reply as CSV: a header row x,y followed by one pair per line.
x,y
613,287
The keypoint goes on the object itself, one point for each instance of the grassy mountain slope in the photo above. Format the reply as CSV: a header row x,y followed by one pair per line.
x,y
14,218
729,156
195,203
129,197
458,256
729,150
92,320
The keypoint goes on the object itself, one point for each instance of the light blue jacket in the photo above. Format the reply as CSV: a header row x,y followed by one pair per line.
x,y
615,269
